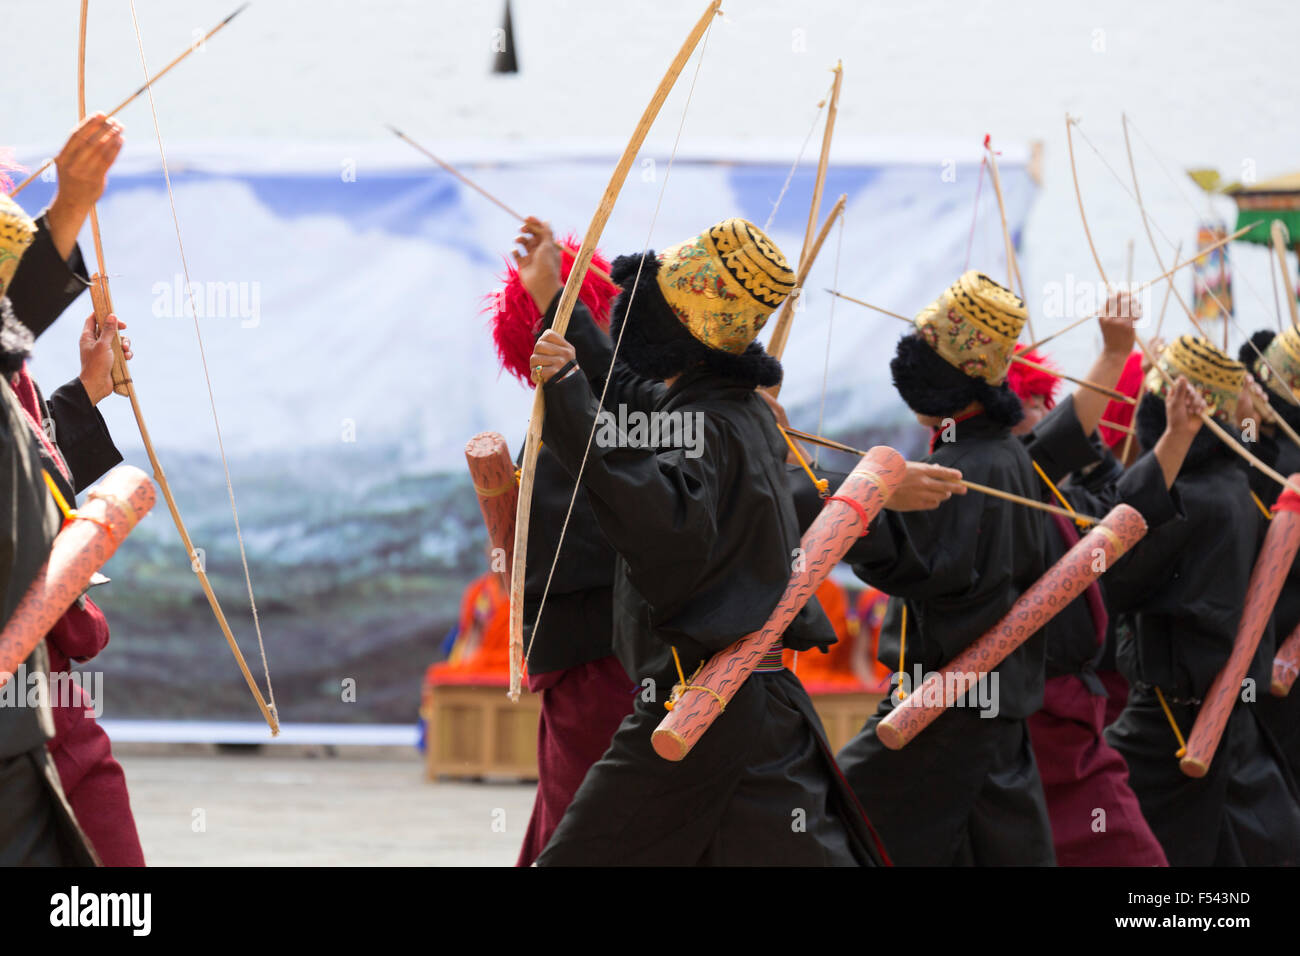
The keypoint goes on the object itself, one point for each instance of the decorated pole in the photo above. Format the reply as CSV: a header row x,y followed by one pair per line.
x,y
1266,580
82,547
843,520
1069,577
497,489
563,311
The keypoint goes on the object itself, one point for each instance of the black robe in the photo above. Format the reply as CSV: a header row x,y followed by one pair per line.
x,y
37,826
577,623
705,547
966,790
1186,584
1060,447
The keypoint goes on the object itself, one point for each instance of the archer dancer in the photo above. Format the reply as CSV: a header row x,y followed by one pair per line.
x,y
1186,583
705,547
967,791
1096,818
1278,373
571,664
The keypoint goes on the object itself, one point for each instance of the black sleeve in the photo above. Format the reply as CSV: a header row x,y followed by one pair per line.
x,y
916,554
667,537
82,435
595,353
1146,566
1059,444
1267,449
1142,486
45,284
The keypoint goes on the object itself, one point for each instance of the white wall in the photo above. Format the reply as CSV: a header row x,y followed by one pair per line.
x,y
1208,83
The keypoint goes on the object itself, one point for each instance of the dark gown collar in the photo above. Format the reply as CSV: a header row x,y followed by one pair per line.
x,y
972,425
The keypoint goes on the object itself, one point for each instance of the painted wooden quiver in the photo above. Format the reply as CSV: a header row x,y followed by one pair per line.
x,y
823,546
1286,665
80,549
1091,556
1266,580
493,473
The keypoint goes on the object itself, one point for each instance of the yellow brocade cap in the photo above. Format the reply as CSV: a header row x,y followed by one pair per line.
x,y
1208,369
1283,353
724,283
974,326
16,233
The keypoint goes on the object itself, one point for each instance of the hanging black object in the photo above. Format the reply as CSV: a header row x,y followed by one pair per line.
x,y
505,60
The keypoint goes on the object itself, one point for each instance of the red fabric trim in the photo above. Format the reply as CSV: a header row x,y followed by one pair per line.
x,y
862,512
934,432
1288,500
25,389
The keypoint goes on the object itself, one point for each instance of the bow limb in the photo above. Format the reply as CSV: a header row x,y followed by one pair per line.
x,y
1014,279
823,161
569,298
99,292
1078,195
1279,237
1206,418
1191,315
785,318
124,385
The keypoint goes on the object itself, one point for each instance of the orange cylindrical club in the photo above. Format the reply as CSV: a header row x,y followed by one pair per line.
x,y
82,547
493,473
828,539
1064,581
1266,580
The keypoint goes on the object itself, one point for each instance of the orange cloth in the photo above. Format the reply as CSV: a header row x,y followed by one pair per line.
x,y
836,667
482,647
871,615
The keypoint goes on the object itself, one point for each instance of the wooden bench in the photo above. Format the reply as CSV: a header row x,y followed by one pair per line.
x,y
473,731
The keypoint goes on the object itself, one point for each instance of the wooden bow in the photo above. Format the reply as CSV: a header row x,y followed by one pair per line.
x,y
811,246
1191,315
1206,417
569,298
124,385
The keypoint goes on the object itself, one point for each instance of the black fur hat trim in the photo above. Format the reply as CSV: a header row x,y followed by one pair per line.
x,y
1281,402
931,386
657,345
15,340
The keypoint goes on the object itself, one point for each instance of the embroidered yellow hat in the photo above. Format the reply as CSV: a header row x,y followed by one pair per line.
x,y
1216,376
724,283
974,326
1283,354
16,233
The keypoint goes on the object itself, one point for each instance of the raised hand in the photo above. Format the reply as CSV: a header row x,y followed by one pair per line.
x,y
97,356
539,264
925,486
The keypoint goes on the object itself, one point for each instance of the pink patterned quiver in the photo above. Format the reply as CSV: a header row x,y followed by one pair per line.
x,y
824,545
1286,665
82,547
1266,580
493,474
1064,581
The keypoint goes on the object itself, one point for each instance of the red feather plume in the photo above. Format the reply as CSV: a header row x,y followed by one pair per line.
x,y
515,318
1026,381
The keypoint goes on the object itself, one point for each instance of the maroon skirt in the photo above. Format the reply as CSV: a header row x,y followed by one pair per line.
x,y
1096,818
582,707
